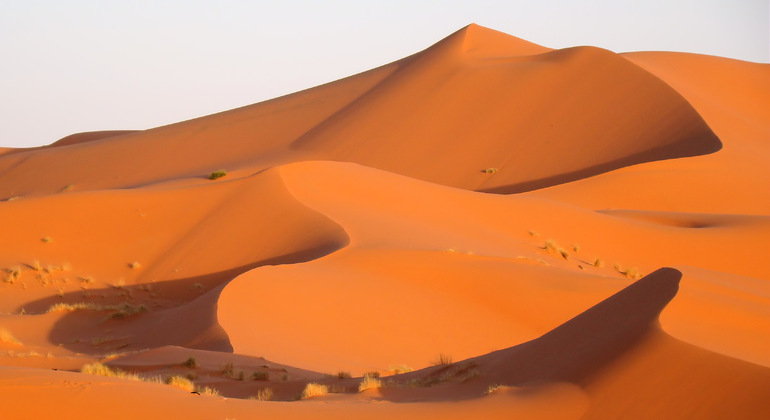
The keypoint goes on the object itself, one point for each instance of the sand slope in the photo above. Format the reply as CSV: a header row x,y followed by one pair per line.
x,y
484,224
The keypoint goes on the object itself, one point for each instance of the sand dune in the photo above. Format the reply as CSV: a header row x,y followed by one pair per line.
x,y
493,227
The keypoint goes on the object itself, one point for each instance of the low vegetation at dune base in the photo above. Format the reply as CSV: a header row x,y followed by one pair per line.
x,y
217,174
442,359
121,310
190,363
264,394
180,382
212,392
369,382
314,390
102,370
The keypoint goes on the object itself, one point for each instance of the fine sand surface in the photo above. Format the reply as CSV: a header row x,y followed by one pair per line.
x,y
494,228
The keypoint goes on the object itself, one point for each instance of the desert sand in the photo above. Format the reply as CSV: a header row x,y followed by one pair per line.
x,y
488,228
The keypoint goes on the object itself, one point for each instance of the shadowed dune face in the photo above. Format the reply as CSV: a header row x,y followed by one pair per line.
x,y
581,346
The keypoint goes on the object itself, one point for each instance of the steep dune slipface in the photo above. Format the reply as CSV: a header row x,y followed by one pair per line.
x,y
539,120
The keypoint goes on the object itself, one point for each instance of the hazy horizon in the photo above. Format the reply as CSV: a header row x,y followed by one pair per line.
x,y
79,66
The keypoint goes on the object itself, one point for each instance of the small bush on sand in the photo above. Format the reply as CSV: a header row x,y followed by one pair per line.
x,y
442,359
190,363
217,174
126,309
102,370
368,383
260,376
490,170
314,390
180,382
264,394
397,369
228,370
47,240
213,392
598,263
344,375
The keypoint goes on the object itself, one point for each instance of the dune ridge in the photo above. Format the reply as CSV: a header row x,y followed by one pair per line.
x,y
486,228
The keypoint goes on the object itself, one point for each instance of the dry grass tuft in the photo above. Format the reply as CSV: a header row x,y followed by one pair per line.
x,y
397,369
369,383
102,370
134,265
7,337
442,359
191,363
490,170
212,392
228,370
344,375
313,389
598,263
260,376
217,174
493,388
47,240
180,382
264,394
551,245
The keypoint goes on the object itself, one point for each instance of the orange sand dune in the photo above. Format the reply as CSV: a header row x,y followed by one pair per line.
x,y
481,224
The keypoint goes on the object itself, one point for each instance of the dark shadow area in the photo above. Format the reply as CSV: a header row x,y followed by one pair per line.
x,y
569,353
703,144
178,312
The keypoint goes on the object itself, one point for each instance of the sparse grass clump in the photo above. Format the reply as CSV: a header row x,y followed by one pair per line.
x,y
180,382
264,394
47,240
493,388
13,274
398,369
490,170
134,265
551,245
212,392
344,375
260,376
7,337
228,370
191,363
313,389
125,310
217,174
632,273
368,383
442,359
102,370
598,263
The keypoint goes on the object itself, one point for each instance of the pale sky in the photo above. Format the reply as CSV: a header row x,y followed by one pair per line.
x,y
70,66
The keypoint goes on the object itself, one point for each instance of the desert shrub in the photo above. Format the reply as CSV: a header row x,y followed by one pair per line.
x,y
126,309
213,392
368,383
442,359
102,370
598,263
490,170
190,363
264,394
217,174
374,374
227,370
180,382
313,389
260,376
397,369
344,375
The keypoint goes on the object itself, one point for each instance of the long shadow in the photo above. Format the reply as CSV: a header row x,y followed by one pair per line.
x,y
179,312
701,144
569,353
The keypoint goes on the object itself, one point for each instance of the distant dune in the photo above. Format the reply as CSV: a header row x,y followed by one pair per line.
x,y
488,228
